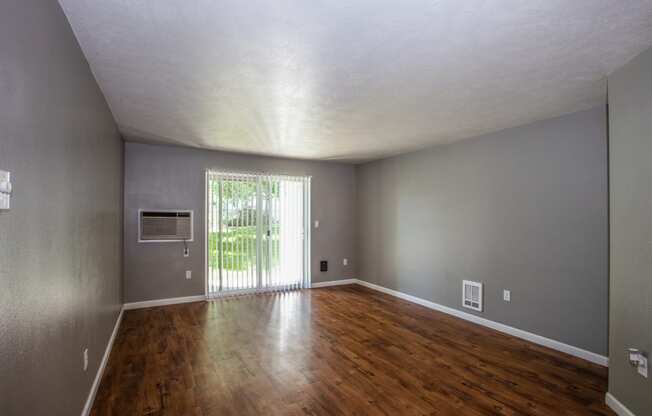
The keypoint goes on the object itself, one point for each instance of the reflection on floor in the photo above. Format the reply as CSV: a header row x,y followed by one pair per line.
x,y
334,351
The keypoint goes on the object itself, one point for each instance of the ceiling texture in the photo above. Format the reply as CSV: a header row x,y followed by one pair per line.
x,y
349,80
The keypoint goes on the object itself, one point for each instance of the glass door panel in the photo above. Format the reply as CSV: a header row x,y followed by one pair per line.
x,y
256,230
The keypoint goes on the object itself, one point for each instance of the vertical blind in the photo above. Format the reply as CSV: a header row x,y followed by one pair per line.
x,y
258,232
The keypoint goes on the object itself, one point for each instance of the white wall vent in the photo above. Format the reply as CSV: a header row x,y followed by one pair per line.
x,y
164,226
472,295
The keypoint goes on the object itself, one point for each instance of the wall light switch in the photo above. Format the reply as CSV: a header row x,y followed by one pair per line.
x,y
85,359
507,295
5,190
316,223
642,365
188,274
345,262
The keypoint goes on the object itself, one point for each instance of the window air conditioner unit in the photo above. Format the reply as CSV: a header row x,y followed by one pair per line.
x,y
162,226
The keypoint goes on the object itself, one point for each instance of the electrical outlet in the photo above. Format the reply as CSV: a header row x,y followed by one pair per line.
x,y
345,262
316,223
188,274
85,359
507,295
638,360
186,252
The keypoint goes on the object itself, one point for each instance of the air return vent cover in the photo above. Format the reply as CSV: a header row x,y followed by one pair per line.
x,y
472,295
164,226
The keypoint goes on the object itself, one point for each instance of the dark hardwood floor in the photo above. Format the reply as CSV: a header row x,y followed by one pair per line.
x,y
344,350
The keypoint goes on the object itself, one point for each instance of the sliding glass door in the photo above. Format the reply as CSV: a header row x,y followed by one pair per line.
x,y
257,232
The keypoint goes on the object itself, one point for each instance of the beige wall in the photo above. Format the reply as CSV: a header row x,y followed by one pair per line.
x,y
630,149
169,177
523,209
60,245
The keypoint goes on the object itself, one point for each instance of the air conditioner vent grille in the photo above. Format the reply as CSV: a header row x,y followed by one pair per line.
x,y
164,226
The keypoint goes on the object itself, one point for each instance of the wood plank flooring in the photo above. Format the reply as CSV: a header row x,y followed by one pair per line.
x,y
343,350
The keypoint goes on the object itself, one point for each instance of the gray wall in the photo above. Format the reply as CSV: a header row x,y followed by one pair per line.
x,y
524,209
630,124
169,177
60,248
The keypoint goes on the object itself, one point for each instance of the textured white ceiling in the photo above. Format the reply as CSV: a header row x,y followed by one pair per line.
x,y
350,80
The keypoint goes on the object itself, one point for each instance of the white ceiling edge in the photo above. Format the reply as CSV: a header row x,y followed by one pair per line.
x,y
304,81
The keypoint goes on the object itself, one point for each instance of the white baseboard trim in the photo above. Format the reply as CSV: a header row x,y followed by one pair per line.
x,y
617,406
519,333
334,283
100,371
163,302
